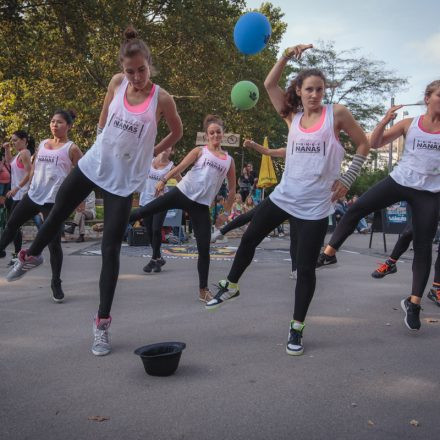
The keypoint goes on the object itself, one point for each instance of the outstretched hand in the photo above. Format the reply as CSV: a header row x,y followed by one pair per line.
x,y
391,114
296,51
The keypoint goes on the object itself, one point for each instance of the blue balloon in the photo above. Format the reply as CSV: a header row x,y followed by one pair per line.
x,y
252,32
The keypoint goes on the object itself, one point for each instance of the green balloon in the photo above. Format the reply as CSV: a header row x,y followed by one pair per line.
x,y
244,95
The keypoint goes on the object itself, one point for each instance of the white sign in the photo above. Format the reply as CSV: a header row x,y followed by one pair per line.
x,y
229,139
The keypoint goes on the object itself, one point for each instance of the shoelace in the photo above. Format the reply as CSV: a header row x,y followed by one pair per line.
x,y
295,337
101,337
383,267
221,291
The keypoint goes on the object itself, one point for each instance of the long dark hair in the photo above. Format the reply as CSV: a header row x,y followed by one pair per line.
x,y
292,102
30,140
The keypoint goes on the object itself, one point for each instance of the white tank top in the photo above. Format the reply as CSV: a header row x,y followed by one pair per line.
x,y
202,183
118,160
419,167
154,175
51,167
313,163
17,175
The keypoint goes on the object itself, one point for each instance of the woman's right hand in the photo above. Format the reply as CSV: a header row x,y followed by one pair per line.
x,y
248,143
296,51
160,186
6,145
391,114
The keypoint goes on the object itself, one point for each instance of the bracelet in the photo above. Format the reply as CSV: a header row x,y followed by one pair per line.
x,y
163,180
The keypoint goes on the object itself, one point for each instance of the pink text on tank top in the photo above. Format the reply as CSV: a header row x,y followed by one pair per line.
x,y
139,108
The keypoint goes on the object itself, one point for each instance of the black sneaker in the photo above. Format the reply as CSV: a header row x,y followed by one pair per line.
x,y
325,260
150,266
384,269
157,266
412,314
161,261
224,293
434,295
294,345
57,291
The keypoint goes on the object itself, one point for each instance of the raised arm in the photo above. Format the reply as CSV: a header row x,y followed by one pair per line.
x,y
275,152
381,137
8,154
276,93
167,108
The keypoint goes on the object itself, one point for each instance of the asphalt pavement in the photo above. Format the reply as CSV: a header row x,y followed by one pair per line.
x,y
363,375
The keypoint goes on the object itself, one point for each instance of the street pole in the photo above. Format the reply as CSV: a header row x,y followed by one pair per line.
x,y
390,151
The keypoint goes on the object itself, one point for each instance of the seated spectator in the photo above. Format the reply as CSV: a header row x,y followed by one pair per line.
x,y
237,207
340,209
85,211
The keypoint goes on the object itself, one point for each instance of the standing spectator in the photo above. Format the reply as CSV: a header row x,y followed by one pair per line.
x,y
247,181
85,211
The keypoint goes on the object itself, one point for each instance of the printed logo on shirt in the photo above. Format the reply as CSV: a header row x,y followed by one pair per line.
x,y
154,176
210,163
313,147
124,125
48,159
423,144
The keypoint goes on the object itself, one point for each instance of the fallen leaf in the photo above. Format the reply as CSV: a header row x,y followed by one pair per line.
x,y
98,418
354,405
395,308
370,423
414,423
432,320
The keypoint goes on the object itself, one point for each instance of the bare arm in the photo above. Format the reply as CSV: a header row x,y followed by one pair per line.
x,y
25,157
380,137
114,83
276,93
276,152
75,154
232,187
8,155
167,108
345,121
189,159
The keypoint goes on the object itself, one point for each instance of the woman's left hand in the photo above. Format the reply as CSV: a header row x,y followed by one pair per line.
x,y
159,188
12,192
339,190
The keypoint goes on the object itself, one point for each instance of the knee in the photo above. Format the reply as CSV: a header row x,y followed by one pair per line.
x,y
110,250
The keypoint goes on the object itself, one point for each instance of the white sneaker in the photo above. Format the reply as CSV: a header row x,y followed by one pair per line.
x,y
101,342
216,235
24,264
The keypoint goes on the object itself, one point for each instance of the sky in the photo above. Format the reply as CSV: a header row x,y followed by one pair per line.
x,y
405,34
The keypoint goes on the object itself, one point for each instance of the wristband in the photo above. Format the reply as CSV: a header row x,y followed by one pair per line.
x,y
348,178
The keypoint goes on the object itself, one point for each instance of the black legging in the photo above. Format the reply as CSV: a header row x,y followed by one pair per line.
x,y
200,218
310,235
75,188
424,206
402,244
18,239
23,211
245,218
153,225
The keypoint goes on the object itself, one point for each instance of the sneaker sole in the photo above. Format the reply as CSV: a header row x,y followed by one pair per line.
x,y
328,266
58,301
100,353
216,306
294,353
402,304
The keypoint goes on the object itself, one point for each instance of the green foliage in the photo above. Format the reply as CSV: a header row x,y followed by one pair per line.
x,y
366,180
